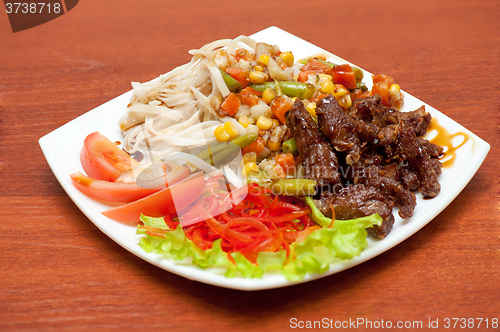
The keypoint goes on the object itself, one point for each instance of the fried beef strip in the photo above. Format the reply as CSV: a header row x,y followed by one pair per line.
x,y
382,158
356,201
411,150
318,158
419,120
339,128
371,110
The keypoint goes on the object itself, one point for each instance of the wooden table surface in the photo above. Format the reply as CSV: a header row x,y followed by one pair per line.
x,y
59,272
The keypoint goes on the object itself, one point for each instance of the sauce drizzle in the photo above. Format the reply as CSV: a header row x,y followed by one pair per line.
x,y
445,139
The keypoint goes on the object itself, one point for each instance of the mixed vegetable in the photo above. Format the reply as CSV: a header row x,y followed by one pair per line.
x,y
264,86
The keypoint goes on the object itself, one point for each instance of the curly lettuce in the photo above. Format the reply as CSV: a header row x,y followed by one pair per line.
x,y
340,240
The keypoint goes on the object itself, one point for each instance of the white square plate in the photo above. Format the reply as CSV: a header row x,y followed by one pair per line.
x,y
62,149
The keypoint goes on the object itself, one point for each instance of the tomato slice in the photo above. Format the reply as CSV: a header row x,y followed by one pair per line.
x,y
167,201
128,189
116,192
102,159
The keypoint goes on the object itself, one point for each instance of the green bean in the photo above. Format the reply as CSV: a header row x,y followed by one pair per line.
x,y
360,85
291,89
289,146
260,177
294,187
245,140
232,84
215,154
278,90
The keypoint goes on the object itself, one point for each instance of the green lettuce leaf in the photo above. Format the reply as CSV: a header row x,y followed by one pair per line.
x,y
344,240
316,214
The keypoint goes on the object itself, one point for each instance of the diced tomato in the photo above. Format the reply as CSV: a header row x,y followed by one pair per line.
x,y
304,75
344,74
231,104
280,106
256,92
249,98
116,192
257,147
316,66
286,161
241,75
102,159
242,53
381,85
382,78
382,89
167,201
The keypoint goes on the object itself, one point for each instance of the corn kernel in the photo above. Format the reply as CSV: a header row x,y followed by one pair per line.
x,y
287,58
250,167
339,91
276,123
263,59
231,130
394,93
221,134
268,95
327,87
345,102
311,108
250,157
258,77
264,123
244,121
258,68
273,146
325,77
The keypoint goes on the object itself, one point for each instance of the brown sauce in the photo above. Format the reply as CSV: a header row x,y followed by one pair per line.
x,y
138,155
445,139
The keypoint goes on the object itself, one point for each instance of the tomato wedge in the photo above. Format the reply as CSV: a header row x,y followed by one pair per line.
x,y
116,192
102,159
167,201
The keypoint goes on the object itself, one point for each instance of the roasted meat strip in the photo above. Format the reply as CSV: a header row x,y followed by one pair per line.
x,y
339,128
318,158
356,201
412,151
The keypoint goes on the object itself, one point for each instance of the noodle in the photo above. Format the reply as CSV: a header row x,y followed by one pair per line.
x,y
166,115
